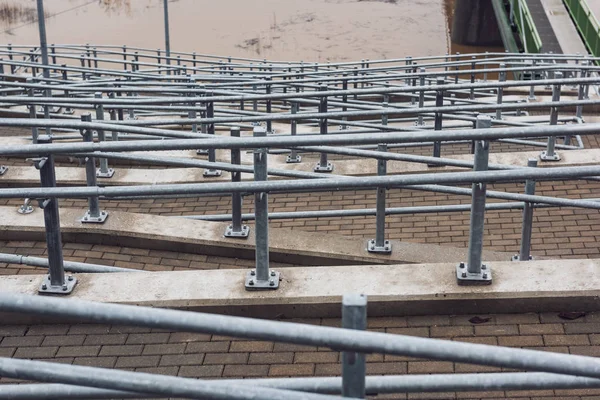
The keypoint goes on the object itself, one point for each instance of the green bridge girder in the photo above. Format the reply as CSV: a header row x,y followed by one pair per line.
x,y
517,12
587,24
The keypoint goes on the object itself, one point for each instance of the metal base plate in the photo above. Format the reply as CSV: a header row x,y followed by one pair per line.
x,y
67,288
253,284
68,111
293,160
516,258
545,157
88,219
463,277
107,174
326,168
3,169
25,209
211,173
372,248
229,232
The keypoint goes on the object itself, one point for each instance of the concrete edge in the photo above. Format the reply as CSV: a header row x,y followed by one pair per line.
x,y
393,290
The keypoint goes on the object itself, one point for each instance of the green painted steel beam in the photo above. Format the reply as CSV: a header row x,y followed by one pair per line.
x,y
587,24
505,27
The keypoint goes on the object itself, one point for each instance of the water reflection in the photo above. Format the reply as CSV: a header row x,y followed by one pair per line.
x,y
11,13
116,6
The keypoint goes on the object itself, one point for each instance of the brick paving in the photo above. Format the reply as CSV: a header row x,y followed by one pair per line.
x,y
212,356
558,232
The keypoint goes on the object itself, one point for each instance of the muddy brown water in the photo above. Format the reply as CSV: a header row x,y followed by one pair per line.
x,y
308,30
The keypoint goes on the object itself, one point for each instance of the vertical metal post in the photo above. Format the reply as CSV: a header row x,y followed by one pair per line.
x,y
549,154
167,37
269,104
323,165
53,52
354,316
93,214
95,53
532,87
379,244
457,67
82,61
125,57
385,104
526,229
88,55
261,277
344,100
581,90
55,281
103,171
501,78
254,102
43,41
158,59
407,70
421,95
44,50
472,91
32,113
68,110
476,272
113,117
11,57
587,85
212,157
439,102
192,114
294,157
136,61
236,229
485,67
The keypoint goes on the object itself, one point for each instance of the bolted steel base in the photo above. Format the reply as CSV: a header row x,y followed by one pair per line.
x,y
67,288
68,111
3,169
88,219
210,173
326,168
464,277
202,152
107,174
253,284
545,157
516,258
372,248
25,209
293,160
230,233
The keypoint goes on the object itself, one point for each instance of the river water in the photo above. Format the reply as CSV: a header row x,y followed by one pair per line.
x,y
307,30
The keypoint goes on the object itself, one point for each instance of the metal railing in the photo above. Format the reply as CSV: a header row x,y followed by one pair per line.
x,y
99,104
375,109
553,370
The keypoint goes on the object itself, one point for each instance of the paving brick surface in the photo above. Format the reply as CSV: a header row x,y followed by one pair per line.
x,y
557,232
213,356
